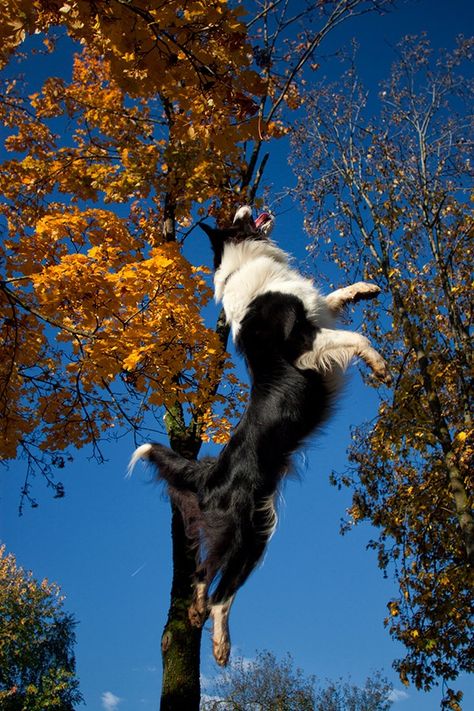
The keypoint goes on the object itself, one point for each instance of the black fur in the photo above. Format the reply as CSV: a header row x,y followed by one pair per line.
x,y
224,502
227,503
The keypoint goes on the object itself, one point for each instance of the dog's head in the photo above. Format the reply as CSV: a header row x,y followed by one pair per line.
x,y
244,227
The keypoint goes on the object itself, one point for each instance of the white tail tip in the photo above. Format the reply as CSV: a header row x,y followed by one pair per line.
x,y
141,452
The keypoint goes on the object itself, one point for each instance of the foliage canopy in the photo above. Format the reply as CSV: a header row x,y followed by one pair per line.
x,y
101,313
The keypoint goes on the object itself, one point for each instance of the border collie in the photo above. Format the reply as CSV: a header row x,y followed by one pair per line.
x,y
283,327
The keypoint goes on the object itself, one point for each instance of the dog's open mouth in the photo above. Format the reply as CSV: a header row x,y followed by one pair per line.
x,y
247,227
264,222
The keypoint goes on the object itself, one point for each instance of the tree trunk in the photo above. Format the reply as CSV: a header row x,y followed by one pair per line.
x,y
180,643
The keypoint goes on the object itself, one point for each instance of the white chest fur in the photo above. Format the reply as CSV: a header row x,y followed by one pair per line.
x,y
255,267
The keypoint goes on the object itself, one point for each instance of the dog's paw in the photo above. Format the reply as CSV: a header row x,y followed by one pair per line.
x,y
221,651
382,372
363,291
197,615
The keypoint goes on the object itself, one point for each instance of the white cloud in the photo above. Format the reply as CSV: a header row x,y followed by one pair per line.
x,y
152,669
110,702
397,695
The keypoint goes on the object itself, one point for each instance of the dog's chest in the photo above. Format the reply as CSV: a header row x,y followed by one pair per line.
x,y
247,273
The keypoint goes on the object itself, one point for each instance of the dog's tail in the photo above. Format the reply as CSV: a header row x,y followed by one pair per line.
x,y
179,472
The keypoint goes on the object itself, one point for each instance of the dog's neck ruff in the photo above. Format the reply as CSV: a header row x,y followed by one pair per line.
x,y
236,256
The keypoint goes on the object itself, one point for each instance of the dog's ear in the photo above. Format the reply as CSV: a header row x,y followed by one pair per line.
x,y
242,228
217,239
210,231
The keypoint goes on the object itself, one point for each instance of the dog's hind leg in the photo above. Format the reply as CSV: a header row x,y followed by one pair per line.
x,y
205,573
198,610
351,294
220,631
234,573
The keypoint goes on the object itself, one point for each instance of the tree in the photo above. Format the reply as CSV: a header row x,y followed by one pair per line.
x,y
162,122
268,684
389,197
265,683
375,695
37,665
97,294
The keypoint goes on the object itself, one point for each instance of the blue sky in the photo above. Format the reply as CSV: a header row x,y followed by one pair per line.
x,y
318,595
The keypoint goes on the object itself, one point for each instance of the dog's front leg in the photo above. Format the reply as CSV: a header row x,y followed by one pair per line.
x,y
335,348
361,291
